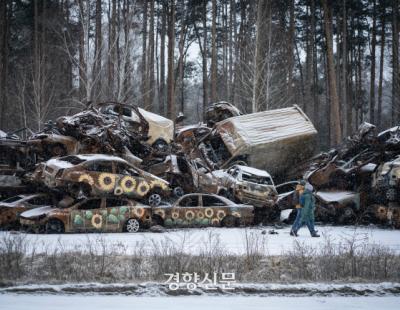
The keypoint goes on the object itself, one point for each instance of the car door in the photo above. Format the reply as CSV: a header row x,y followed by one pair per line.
x,y
38,201
185,212
103,174
129,181
89,215
117,214
215,209
231,177
204,179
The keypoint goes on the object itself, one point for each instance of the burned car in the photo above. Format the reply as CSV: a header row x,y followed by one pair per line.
x,y
158,130
193,210
220,111
188,136
12,207
341,207
386,181
89,215
49,145
101,175
285,194
177,171
239,183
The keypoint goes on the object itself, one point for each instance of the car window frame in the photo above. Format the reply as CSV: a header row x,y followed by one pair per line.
x,y
215,197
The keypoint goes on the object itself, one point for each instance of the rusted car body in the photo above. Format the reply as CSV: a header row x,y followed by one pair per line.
x,y
199,210
239,183
187,137
177,171
285,195
386,181
220,111
159,131
11,208
341,207
274,140
50,145
101,175
16,158
89,215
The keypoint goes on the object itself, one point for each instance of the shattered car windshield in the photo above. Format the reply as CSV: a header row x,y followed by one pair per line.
x,y
256,179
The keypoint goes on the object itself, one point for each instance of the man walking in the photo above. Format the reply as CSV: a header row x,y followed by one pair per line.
x,y
296,201
307,201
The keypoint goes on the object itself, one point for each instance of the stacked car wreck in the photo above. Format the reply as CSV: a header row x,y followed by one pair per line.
x,y
357,182
116,167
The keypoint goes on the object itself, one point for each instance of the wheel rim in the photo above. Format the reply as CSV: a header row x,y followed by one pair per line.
x,y
54,227
154,199
229,221
178,191
132,225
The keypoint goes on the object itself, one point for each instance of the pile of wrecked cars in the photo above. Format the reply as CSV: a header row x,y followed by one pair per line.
x,y
115,167
358,181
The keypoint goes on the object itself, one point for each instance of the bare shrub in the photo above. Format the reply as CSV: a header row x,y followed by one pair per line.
x,y
94,259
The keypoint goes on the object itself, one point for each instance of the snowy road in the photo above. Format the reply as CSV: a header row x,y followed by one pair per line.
x,y
232,240
33,302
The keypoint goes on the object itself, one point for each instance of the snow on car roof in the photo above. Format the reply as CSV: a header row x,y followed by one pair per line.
x,y
64,163
37,211
89,157
59,163
152,117
255,171
336,196
181,129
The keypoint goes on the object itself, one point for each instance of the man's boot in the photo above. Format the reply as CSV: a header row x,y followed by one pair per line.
x,y
293,233
315,235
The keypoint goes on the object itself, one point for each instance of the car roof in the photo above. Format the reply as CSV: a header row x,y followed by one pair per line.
x,y
24,196
92,157
255,171
213,195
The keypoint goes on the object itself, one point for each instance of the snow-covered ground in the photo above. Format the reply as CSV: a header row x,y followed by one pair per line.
x,y
155,289
230,239
56,302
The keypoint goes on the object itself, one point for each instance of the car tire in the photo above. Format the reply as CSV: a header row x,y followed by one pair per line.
x,y
391,194
229,221
157,220
54,226
154,199
161,145
132,225
178,191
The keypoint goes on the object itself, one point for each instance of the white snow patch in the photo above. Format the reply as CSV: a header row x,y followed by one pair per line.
x,y
59,163
195,240
336,196
120,302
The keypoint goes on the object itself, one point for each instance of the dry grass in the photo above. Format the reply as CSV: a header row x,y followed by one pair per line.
x,y
351,260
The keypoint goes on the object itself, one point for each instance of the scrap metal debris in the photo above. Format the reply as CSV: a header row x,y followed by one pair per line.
x,y
117,167
357,182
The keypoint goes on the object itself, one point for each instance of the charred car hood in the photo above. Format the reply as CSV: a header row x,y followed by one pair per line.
x,y
37,212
